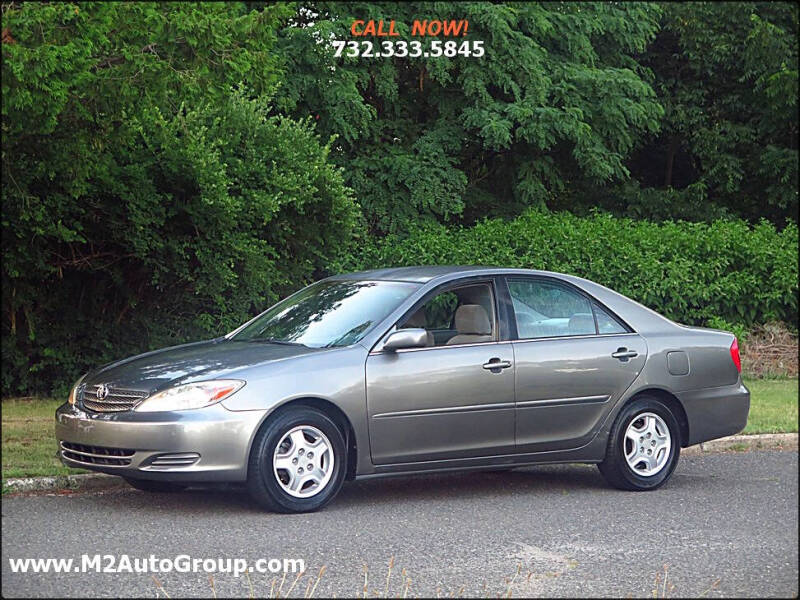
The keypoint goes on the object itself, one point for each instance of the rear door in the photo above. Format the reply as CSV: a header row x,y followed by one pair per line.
x,y
573,360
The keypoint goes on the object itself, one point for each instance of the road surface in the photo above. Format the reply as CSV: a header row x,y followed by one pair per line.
x,y
725,525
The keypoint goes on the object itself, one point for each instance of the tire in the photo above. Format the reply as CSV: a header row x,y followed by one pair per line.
x,y
276,447
149,485
642,421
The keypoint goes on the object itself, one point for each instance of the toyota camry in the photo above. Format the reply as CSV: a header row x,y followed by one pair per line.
x,y
411,370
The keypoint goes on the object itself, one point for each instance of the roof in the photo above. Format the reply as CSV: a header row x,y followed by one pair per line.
x,y
421,274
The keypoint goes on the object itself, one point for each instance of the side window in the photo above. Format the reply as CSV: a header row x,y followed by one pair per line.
x,y
544,309
463,315
440,312
605,322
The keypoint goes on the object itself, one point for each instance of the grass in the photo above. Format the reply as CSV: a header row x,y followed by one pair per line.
x,y
399,585
29,446
773,406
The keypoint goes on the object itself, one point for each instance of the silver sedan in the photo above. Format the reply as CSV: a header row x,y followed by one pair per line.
x,y
411,370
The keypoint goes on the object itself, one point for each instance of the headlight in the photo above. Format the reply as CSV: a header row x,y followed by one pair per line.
x,y
73,395
191,395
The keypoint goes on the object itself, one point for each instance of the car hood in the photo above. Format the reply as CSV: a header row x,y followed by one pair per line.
x,y
212,359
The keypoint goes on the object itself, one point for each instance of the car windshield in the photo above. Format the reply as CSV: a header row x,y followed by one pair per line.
x,y
328,313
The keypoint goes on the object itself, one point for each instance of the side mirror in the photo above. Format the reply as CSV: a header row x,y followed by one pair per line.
x,y
406,338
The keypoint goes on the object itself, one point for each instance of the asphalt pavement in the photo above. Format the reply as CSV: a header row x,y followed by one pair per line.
x,y
725,525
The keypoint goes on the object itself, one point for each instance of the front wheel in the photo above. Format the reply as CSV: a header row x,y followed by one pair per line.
x,y
643,446
298,461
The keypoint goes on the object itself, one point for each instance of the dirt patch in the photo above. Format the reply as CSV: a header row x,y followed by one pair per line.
x,y
770,351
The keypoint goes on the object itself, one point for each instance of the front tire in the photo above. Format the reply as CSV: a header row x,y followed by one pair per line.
x,y
298,461
643,447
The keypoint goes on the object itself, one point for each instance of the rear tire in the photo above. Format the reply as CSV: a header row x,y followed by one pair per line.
x,y
643,447
298,461
149,485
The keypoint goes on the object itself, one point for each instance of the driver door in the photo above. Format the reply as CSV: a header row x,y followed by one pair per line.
x,y
444,401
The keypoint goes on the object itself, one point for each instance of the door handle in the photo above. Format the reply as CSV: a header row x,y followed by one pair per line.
x,y
495,365
624,354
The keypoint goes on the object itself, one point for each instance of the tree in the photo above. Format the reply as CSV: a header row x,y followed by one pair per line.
x,y
149,196
726,74
558,95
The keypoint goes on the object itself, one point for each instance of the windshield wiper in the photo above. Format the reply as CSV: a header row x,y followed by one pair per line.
x,y
276,341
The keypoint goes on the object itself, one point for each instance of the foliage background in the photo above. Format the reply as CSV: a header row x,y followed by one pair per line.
x,y
170,169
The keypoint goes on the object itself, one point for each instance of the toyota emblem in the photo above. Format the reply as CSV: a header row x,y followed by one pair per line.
x,y
102,392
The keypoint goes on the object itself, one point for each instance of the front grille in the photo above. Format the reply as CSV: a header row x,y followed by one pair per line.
x,y
117,400
97,455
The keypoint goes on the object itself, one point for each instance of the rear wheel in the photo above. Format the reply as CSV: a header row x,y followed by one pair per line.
x,y
149,485
298,461
643,446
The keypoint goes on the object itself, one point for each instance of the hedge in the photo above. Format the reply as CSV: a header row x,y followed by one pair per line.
x,y
726,273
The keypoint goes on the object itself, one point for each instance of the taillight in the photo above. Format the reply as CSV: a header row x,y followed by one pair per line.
x,y
735,355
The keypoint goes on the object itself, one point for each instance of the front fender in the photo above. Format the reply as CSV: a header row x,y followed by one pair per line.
x,y
336,376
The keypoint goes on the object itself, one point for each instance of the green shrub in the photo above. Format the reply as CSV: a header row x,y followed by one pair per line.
x,y
206,224
694,273
150,193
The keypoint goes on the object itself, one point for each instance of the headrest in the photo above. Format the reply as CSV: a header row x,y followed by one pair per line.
x,y
473,319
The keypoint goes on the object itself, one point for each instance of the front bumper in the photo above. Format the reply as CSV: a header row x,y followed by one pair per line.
x,y
716,412
207,444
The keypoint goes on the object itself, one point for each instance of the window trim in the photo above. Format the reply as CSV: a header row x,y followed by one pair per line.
x,y
502,333
514,334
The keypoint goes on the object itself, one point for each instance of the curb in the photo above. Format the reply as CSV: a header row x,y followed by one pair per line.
x,y
764,441
84,482
100,481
